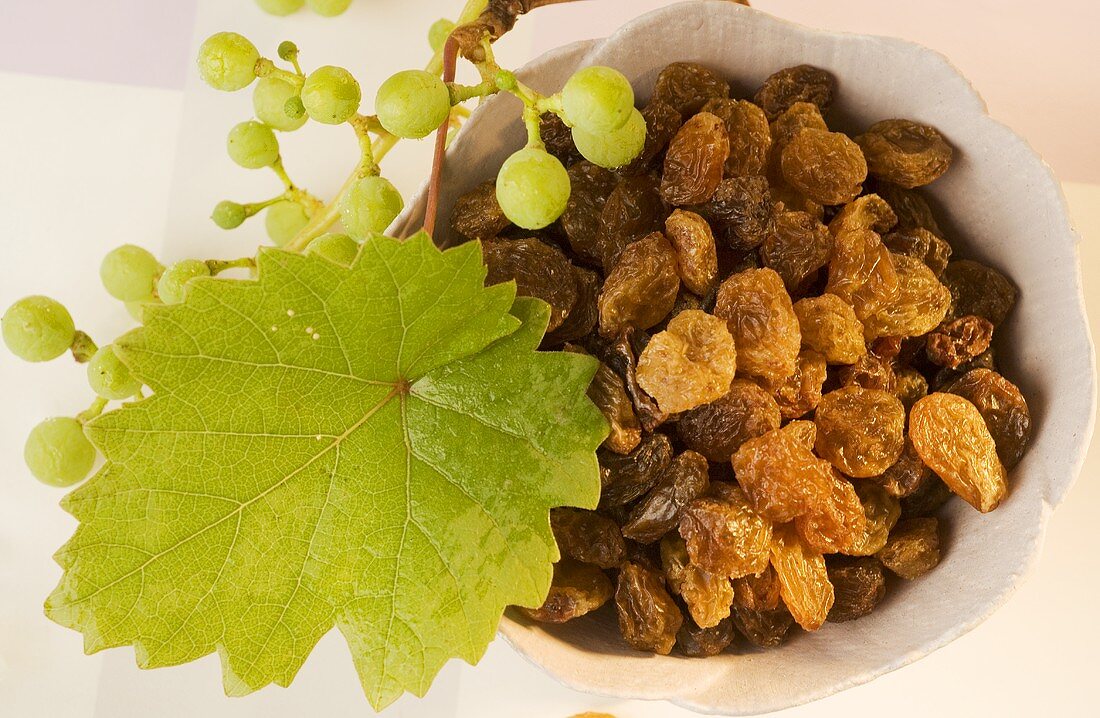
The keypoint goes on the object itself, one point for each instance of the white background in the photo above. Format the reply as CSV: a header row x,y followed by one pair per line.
x,y
135,155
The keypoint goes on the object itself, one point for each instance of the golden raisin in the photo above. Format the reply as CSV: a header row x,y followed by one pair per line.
x,y
861,431
803,580
708,596
749,136
799,394
695,160
724,535
796,248
762,321
905,153
881,511
862,273
954,343
825,166
577,589
693,241
689,364
867,212
838,524
648,617
918,307
913,549
642,288
780,473
829,326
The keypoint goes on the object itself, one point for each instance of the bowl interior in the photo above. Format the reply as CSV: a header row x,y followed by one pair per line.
x,y
999,204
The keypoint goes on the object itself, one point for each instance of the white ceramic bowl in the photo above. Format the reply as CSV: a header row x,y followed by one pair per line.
x,y
999,203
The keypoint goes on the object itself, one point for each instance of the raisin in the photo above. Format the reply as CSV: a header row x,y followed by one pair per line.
x,y
591,185
688,86
750,137
558,138
648,617
724,535
582,318
693,241
632,211
796,248
1003,408
945,377
609,395
862,273
718,429
803,580
881,511
780,473
907,475
695,160
838,524
659,511
927,499
910,385
740,212
829,326
913,549
910,206
763,629
577,589
708,596
696,642
538,270
978,289
662,122
862,431
642,288
919,306
757,592
761,318
802,83
799,394
787,199
867,212
905,153
625,478
619,355
954,343
477,214
920,244
799,116
870,372
859,585
951,437
825,166
689,364
588,537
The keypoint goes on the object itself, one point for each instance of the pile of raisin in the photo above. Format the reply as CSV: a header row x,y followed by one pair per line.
x,y
796,372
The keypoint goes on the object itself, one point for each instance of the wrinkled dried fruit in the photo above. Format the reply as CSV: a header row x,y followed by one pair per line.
x,y
920,244
619,355
695,160
802,83
1003,408
907,475
750,137
696,642
757,592
913,549
625,478
910,206
708,596
718,429
662,122
762,321
688,86
905,153
787,199
825,166
696,253
577,589
689,364
927,499
632,211
799,394
867,212
919,306
588,537
686,478
558,138
859,585
642,288
799,116
862,273
870,372
954,343
838,524
648,617
608,394
763,629
740,212
780,474
724,535
862,431
951,437
978,289
477,214
803,580
910,385
796,248
829,326
881,511
591,185
585,313
538,270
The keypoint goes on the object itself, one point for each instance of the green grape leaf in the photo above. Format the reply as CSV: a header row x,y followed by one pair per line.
x,y
374,448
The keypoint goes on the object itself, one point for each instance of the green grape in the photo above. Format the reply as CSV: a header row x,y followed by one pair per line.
x,y
337,248
137,311
295,108
287,49
109,377
439,32
328,8
612,149
280,7
269,102
229,215
412,104
331,95
172,286
58,453
369,206
227,61
532,188
252,145
597,99
38,329
284,220
129,273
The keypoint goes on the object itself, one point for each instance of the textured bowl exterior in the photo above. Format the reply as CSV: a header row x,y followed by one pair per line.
x,y
999,204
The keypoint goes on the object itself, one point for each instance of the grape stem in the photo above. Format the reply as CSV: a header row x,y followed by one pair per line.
x,y
92,411
217,266
83,348
267,68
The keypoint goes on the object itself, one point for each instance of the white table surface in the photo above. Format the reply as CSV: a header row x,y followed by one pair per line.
x,y
144,164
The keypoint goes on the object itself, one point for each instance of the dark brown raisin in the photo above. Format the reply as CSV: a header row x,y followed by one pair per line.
x,y
642,288
859,585
905,153
538,270
910,206
688,86
740,212
558,138
913,548
718,429
910,386
577,589
658,512
696,642
625,478
920,244
585,313
802,83
588,537
477,214
609,395
1002,406
619,354
797,247
978,289
825,166
632,210
695,160
952,344
648,617
763,629
591,185
907,475
757,592
749,136
929,497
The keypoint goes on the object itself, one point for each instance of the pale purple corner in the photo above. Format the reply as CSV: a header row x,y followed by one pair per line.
x,y
133,42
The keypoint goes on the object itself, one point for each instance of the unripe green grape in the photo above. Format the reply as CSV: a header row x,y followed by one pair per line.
x,y
295,108
58,453
331,95
269,101
280,7
252,145
612,149
439,32
369,206
109,377
337,248
328,8
38,329
287,49
532,188
227,61
229,215
284,220
413,104
129,273
172,287
597,99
